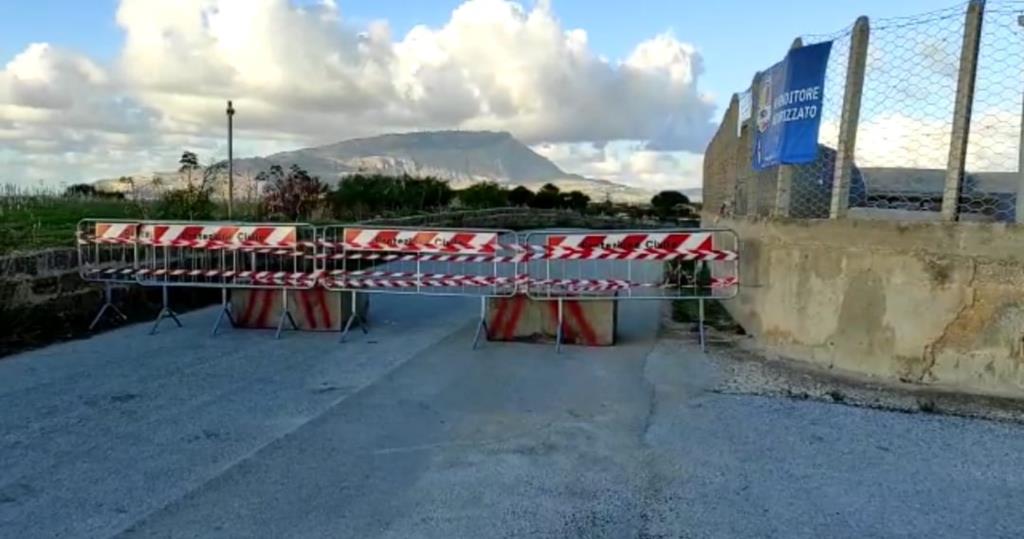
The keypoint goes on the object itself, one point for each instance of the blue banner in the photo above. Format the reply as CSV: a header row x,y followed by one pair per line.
x,y
789,107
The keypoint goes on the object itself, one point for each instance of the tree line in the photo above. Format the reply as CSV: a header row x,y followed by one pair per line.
x,y
293,194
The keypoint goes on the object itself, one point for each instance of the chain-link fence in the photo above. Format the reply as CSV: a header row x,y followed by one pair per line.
x,y
992,177
904,157
906,111
810,194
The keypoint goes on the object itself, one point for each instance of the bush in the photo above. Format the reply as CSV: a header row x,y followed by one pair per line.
x,y
575,200
80,190
671,204
189,203
361,196
521,196
88,190
484,195
294,196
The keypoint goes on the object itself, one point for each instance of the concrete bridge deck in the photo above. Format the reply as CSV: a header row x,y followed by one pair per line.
x,y
408,433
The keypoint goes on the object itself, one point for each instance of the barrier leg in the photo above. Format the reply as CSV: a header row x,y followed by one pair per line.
x,y
108,303
700,325
225,310
558,332
482,327
352,318
286,313
165,312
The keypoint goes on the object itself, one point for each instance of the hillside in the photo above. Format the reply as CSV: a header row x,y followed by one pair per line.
x,y
459,157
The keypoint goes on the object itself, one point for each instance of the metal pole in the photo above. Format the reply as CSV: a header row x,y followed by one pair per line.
x,y
231,160
700,328
558,331
956,164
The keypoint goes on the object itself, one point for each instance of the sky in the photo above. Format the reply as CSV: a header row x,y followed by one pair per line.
x,y
626,91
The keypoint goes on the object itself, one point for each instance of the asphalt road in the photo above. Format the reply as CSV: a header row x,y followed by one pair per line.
x,y
408,433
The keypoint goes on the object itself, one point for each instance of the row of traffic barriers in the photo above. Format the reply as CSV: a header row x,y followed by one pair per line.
x,y
694,264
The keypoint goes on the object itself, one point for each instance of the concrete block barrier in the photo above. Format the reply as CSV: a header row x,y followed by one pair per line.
x,y
313,310
520,318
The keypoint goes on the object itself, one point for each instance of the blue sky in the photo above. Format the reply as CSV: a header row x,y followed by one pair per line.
x,y
734,36
103,98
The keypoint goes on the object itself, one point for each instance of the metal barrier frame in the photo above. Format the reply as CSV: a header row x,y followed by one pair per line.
x,y
225,311
505,253
314,247
82,241
700,298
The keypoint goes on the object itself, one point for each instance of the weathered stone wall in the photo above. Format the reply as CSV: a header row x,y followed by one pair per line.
x,y
934,303
43,299
39,277
721,165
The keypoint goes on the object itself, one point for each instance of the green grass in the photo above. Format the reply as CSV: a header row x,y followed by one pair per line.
x,y
40,221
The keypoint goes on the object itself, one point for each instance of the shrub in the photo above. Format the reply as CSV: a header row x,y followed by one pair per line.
x,y
189,203
294,196
521,196
484,195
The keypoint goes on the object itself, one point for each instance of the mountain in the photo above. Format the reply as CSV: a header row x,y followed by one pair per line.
x,y
459,157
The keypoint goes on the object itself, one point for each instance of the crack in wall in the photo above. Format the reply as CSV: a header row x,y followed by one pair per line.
x,y
929,355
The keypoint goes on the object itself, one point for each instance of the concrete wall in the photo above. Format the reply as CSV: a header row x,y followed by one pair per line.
x,y
42,299
934,303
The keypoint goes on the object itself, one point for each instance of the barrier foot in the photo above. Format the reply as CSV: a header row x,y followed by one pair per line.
x,y
108,304
225,310
700,325
558,332
165,312
286,315
482,326
352,318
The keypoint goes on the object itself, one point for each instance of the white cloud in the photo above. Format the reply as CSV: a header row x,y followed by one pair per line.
x,y
301,75
898,140
626,162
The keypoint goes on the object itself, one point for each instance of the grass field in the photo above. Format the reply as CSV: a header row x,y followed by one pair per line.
x,y
37,221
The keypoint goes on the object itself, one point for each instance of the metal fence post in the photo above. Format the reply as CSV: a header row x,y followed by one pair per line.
x,y
1019,215
847,143
784,178
962,110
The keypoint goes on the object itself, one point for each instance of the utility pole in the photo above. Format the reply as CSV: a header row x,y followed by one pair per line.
x,y
231,160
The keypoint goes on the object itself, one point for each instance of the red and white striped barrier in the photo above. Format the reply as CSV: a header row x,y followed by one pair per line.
x,y
573,253
437,241
467,262
660,264
633,241
124,233
418,257
639,264
202,236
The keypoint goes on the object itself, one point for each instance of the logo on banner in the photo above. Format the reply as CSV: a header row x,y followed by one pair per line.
x,y
764,106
